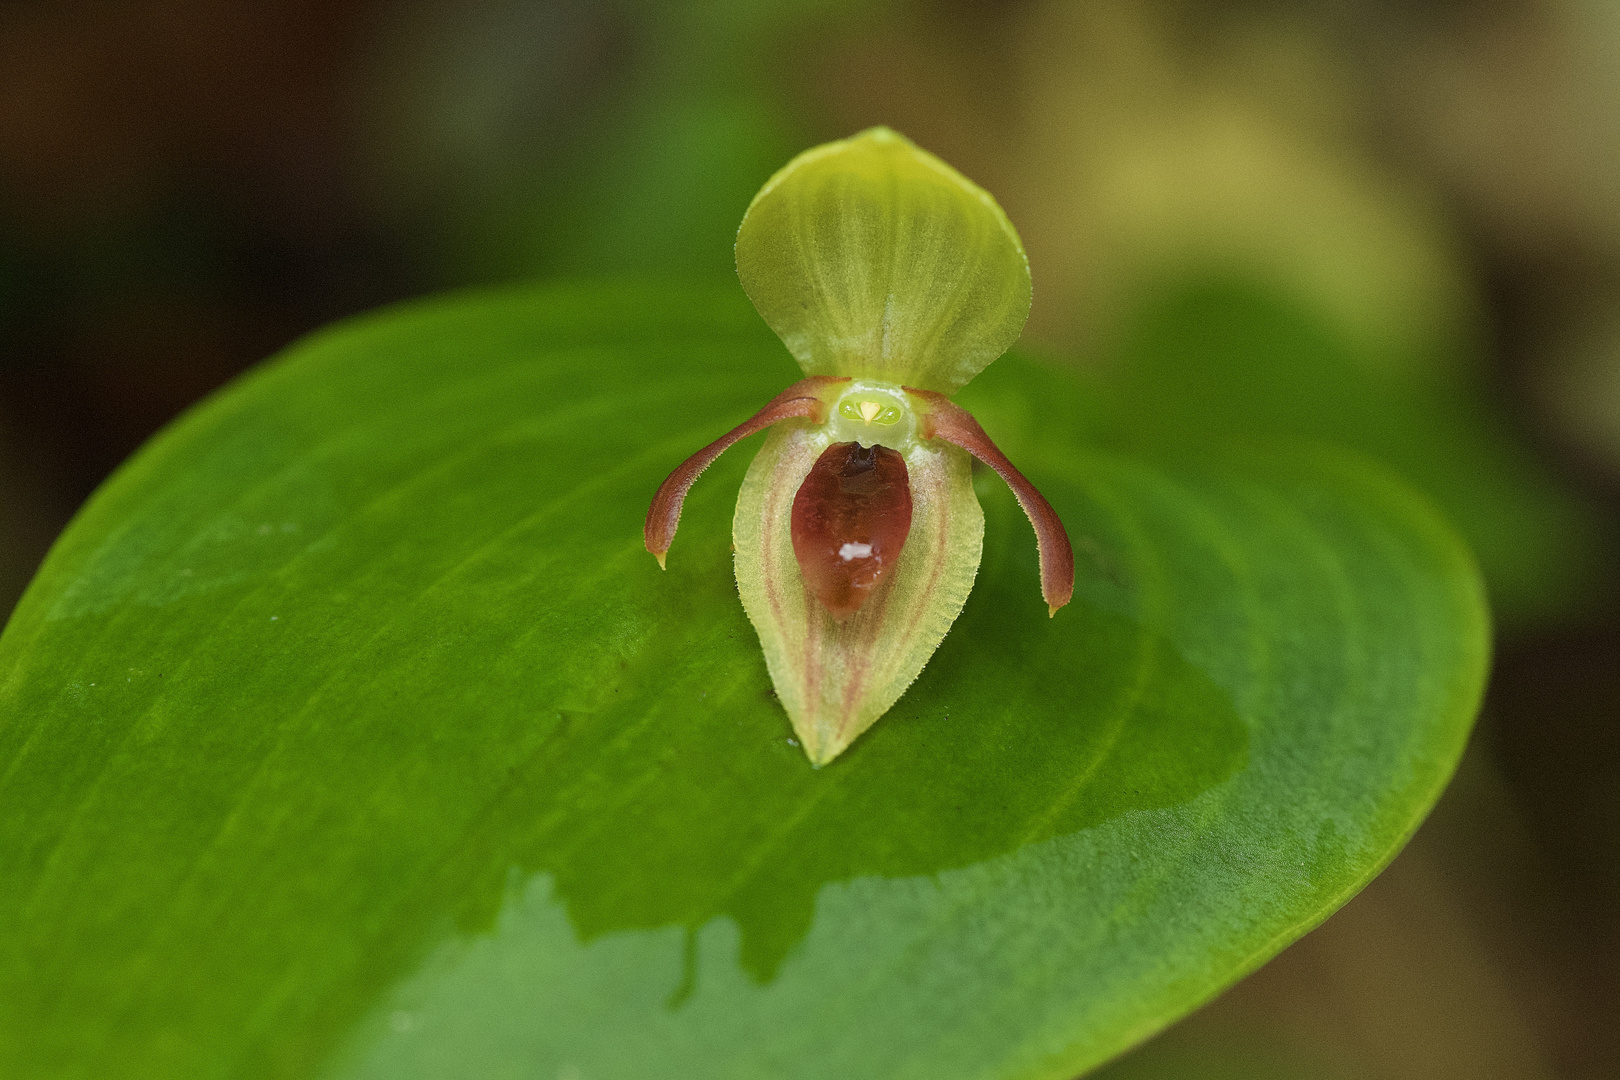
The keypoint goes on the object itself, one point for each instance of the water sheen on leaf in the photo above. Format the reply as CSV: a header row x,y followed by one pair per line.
x,y
350,732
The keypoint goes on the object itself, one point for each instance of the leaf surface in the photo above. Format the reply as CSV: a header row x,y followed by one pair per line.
x,y
350,732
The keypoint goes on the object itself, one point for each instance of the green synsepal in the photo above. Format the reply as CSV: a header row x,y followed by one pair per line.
x,y
836,678
870,257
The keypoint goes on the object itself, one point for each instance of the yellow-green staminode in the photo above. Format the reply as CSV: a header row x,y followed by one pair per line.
x,y
893,280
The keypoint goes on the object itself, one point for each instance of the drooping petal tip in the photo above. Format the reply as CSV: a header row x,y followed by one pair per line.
x,y
805,398
944,419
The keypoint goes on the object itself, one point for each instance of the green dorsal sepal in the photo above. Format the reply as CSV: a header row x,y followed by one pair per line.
x,y
872,258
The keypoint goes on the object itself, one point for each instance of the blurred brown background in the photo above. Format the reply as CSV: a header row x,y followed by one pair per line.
x,y
1390,224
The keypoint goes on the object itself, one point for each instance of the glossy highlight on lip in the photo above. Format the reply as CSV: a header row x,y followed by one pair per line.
x,y
850,520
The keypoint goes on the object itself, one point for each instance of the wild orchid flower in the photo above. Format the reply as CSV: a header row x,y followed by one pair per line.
x,y
893,280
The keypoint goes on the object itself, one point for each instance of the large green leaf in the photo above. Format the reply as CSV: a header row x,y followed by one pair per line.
x,y
349,731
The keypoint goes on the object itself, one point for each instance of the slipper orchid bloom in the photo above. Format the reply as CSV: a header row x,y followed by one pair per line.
x,y
893,280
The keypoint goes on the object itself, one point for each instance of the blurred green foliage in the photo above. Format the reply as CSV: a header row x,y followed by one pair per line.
x,y
646,175
1219,357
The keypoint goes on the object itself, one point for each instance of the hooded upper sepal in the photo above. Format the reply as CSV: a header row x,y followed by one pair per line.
x,y
836,677
870,257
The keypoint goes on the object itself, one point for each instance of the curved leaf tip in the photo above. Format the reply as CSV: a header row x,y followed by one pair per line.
x,y
873,258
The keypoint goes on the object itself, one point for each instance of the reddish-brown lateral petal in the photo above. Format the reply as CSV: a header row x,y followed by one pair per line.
x,y
943,419
803,398
850,520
